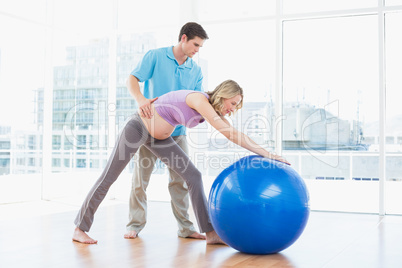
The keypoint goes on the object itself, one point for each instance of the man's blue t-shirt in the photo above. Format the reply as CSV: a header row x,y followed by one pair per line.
x,y
161,73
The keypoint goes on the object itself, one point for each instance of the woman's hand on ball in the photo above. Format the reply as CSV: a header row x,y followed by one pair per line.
x,y
278,158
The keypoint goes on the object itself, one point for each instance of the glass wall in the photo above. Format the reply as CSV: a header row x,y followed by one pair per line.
x,y
147,15
322,57
393,2
213,11
21,76
295,6
79,98
92,59
394,113
330,126
244,52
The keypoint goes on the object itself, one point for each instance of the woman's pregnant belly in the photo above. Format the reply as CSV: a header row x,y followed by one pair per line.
x,y
157,126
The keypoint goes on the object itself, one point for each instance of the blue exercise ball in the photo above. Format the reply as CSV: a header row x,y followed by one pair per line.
x,y
259,205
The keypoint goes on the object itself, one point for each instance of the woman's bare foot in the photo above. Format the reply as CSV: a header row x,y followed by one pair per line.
x,y
82,237
196,235
213,238
130,235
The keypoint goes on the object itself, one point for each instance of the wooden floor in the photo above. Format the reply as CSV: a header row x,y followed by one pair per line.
x,y
39,235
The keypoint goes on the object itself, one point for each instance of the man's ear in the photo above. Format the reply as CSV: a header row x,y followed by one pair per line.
x,y
183,38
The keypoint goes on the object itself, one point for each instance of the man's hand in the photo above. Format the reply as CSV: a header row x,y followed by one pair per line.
x,y
145,108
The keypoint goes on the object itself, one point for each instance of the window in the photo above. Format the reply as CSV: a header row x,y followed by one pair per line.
x,y
167,14
210,10
295,6
330,105
253,67
19,133
321,56
393,2
394,114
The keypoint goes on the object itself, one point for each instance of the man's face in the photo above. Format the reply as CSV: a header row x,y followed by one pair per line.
x,y
191,47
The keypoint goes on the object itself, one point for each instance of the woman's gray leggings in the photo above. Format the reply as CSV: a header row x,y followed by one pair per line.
x,y
133,135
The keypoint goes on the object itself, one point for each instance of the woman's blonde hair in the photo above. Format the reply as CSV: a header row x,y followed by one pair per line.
x,y
225,90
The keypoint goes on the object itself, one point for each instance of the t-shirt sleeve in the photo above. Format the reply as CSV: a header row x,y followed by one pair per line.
x,y
198,86
145,67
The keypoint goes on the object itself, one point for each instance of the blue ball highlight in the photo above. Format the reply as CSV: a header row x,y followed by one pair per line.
x,y
258,205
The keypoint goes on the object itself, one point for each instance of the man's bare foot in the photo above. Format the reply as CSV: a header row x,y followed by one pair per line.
x,y
130,235
196,235
213,238
82,237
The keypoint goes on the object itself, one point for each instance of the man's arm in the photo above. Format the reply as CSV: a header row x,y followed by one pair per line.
x,y
144,104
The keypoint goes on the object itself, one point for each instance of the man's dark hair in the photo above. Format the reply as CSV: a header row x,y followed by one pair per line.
x,y
192,30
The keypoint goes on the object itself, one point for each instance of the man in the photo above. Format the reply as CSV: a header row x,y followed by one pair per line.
x,y
163,70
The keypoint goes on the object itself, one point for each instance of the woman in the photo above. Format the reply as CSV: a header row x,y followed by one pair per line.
x,y
184,107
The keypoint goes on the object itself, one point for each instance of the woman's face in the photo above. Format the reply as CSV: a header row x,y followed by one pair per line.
x,y
229,105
